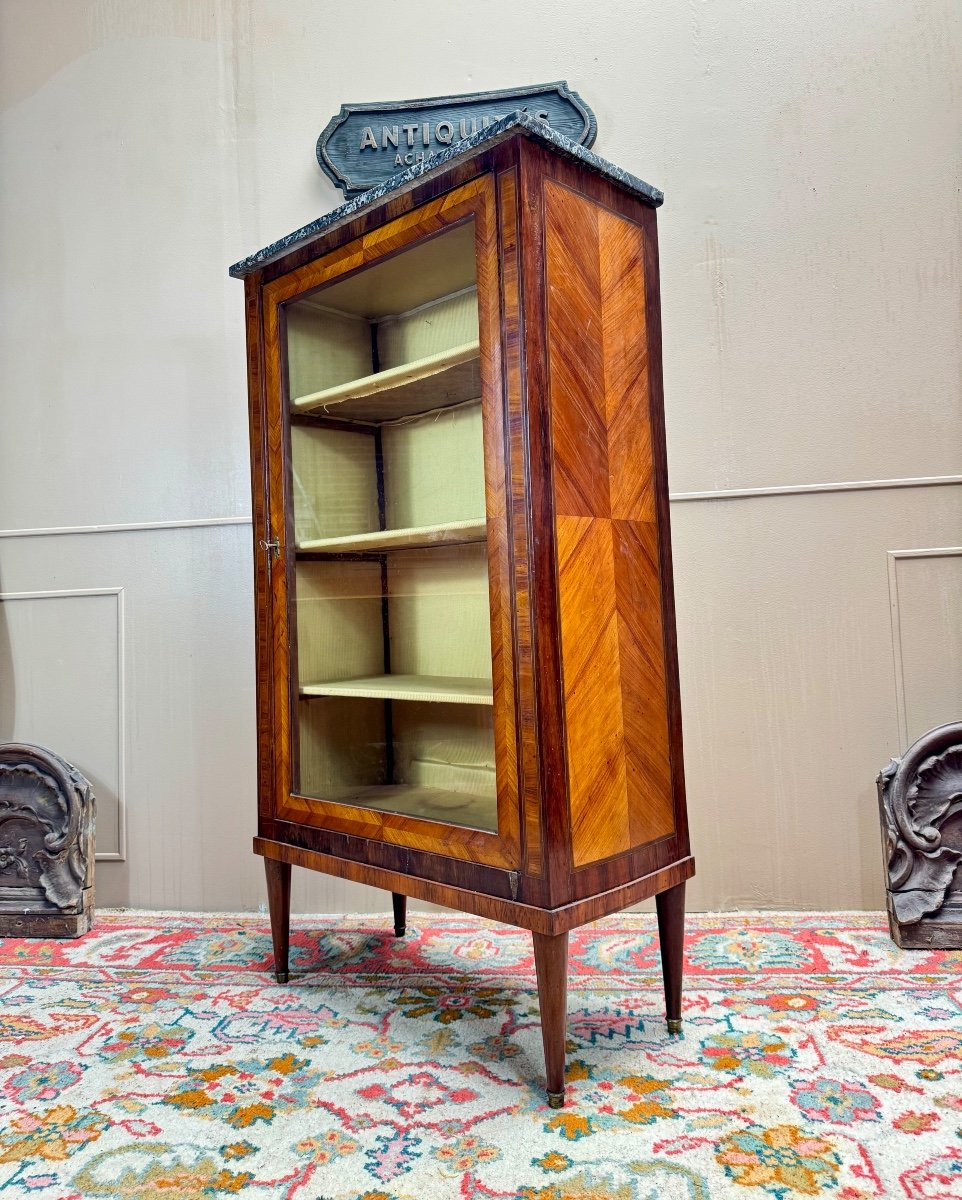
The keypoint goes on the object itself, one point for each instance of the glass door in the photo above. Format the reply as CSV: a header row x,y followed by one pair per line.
x,y
390,659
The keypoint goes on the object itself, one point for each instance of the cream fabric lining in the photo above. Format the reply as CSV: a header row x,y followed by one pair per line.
x,y
435,606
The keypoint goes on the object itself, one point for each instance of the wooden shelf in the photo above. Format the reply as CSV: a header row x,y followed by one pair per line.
x,y
437,689
437,381
452,533
430,804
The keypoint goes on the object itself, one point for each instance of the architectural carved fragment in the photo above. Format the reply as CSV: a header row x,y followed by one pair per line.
x,y
46,844
920,804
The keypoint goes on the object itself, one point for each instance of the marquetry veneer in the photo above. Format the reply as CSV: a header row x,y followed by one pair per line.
x,y
467,687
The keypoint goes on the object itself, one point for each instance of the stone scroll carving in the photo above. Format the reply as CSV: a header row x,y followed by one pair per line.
x,y
920,803
46,844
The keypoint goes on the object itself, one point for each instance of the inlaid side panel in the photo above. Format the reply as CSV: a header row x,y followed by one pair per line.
x,y
579,432
594,715
612,643
641,656
630,467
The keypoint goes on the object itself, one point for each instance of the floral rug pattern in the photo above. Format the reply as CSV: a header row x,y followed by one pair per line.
x,y
155,1057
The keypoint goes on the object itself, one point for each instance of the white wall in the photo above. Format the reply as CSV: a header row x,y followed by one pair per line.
x,y
810,284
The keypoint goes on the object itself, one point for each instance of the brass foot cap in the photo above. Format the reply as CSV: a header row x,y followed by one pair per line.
x,y
281,976
556,1099
674,1026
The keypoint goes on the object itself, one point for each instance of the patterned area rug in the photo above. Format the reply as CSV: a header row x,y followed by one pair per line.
x,y
156,1058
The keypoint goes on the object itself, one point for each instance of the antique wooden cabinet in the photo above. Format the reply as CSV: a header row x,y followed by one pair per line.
x,y
466,673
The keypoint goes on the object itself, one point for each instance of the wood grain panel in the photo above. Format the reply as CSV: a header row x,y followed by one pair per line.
x,y
660,453
625,368
576,346
643,691
618,760
542,562
516,454
496,507
280,581
453,841
259,501
594,722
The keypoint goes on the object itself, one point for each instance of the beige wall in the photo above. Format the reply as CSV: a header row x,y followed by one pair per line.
x,y
810,260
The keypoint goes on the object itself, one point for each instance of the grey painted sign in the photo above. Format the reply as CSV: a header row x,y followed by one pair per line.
x,y
367,143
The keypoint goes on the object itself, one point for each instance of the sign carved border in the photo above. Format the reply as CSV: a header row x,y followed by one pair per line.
x,y
368,143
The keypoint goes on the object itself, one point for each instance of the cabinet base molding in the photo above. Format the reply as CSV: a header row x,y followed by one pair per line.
x,y
551,921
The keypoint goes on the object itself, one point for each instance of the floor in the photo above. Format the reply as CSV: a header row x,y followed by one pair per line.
x,y
156,1057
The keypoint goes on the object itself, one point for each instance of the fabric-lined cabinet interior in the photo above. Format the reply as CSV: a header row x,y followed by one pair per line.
x,y
394,692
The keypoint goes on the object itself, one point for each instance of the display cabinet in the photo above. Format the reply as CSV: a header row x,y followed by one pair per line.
x,y
466,673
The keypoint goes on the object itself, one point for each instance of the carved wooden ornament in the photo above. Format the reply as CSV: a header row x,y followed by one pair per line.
x,y
46,844
920,803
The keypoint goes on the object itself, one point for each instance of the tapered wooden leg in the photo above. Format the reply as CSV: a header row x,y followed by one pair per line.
x,y
671,933
551,963
400,913
279,903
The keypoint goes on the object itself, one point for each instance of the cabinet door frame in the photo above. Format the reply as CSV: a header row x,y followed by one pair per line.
x,y
474,199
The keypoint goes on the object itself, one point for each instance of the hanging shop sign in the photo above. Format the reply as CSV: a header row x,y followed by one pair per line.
x,y
367,143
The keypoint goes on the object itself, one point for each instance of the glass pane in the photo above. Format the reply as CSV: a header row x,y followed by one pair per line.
x,y
391,609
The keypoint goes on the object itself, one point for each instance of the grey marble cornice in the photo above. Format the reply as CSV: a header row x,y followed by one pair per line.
x,y
499,131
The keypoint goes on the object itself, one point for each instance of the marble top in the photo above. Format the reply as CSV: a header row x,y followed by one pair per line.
x,y
519,122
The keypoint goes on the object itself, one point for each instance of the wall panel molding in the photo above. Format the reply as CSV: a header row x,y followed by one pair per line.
x,y
894,557
133,527
801,489
120,855
793,489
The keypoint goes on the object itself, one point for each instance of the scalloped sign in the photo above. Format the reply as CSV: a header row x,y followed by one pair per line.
x,y
368,143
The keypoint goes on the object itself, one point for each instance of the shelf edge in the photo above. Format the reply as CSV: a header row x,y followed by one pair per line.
x,y
393,377
412,537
